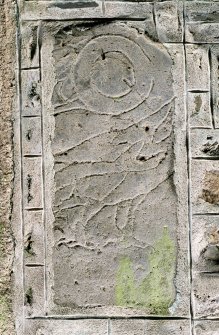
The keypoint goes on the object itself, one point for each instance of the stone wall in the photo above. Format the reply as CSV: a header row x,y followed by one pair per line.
x,y
111,170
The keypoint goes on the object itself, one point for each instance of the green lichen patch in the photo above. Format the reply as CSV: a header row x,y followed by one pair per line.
x,y
125,288
156,292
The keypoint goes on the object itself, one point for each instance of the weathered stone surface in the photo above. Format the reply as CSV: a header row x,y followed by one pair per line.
x,y
214,54
67,327
34,291
142,327
31,93
206,327
32,136
205,295
205,186
33,238
29,45
202,21
205,143
127,327
205,242
198,68
112,105
113,157
169,21
199,109
32,182
38,10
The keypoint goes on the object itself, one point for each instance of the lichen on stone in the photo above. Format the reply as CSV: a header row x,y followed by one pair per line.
x,y
156,292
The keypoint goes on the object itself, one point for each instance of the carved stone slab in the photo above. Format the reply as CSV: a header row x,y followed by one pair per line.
x,y
113,159
116,168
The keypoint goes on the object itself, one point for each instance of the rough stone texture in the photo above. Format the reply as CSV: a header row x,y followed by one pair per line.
x,y
7,92
144,327
116,168
214,55
199,109
197,62
204,143
205,181
202,21
205,295
108,119
31,104
113,159
205,240
206,327
67,327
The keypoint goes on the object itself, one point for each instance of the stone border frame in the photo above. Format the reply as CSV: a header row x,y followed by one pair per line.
x,y
30,169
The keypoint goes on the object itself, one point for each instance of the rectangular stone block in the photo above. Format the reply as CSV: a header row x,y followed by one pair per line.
x,y
31,92
37,10
205,295
205,186
32,182
144,327
31,136
167,327
111,164
202,21
169,21
30,45
67,327
206,327
199,109
198,68
204,143
34,293
205,242
43,10
215,83
126,10
180,308
34,237
127,327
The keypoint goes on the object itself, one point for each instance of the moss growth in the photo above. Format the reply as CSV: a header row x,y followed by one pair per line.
x,y
156,292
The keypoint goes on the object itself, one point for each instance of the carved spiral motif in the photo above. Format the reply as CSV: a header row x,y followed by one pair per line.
x,y
107,76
